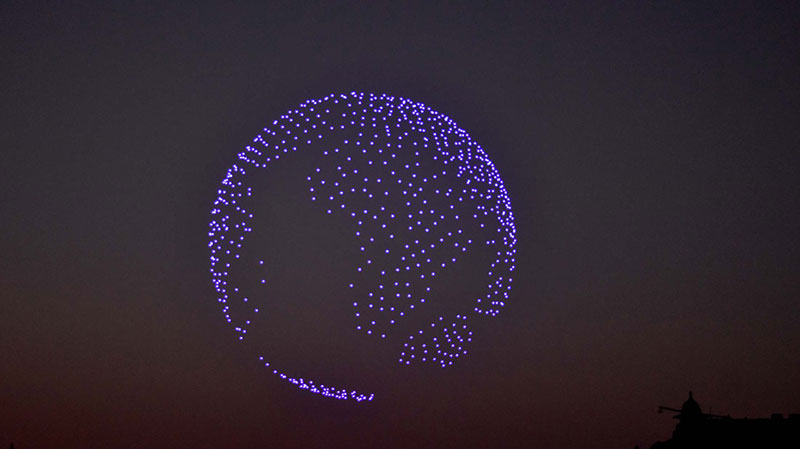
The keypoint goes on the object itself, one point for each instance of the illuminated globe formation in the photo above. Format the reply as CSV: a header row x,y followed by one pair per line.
x,y
420,195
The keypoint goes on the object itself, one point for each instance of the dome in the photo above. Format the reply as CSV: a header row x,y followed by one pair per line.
x,y
691,408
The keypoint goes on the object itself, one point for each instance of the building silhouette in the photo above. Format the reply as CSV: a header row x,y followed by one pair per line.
x,y
696,429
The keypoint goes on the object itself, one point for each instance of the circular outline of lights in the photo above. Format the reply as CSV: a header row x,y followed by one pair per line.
x,y
393,136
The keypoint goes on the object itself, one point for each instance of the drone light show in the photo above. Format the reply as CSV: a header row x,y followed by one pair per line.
x,y
416,196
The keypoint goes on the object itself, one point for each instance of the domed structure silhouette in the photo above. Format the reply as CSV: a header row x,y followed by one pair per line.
x,y
691,409
696,429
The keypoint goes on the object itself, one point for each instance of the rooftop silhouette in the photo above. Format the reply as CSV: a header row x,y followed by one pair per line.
x,y
696,429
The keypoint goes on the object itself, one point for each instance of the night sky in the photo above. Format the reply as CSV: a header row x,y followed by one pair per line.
x,y
650,151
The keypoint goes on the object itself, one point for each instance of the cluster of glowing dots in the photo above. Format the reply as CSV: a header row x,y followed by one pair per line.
x,y
415,188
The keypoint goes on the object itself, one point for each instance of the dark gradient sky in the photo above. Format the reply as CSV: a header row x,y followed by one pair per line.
x,y
650,150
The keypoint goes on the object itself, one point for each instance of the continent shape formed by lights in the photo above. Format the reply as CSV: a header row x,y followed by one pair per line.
x,y
410,181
